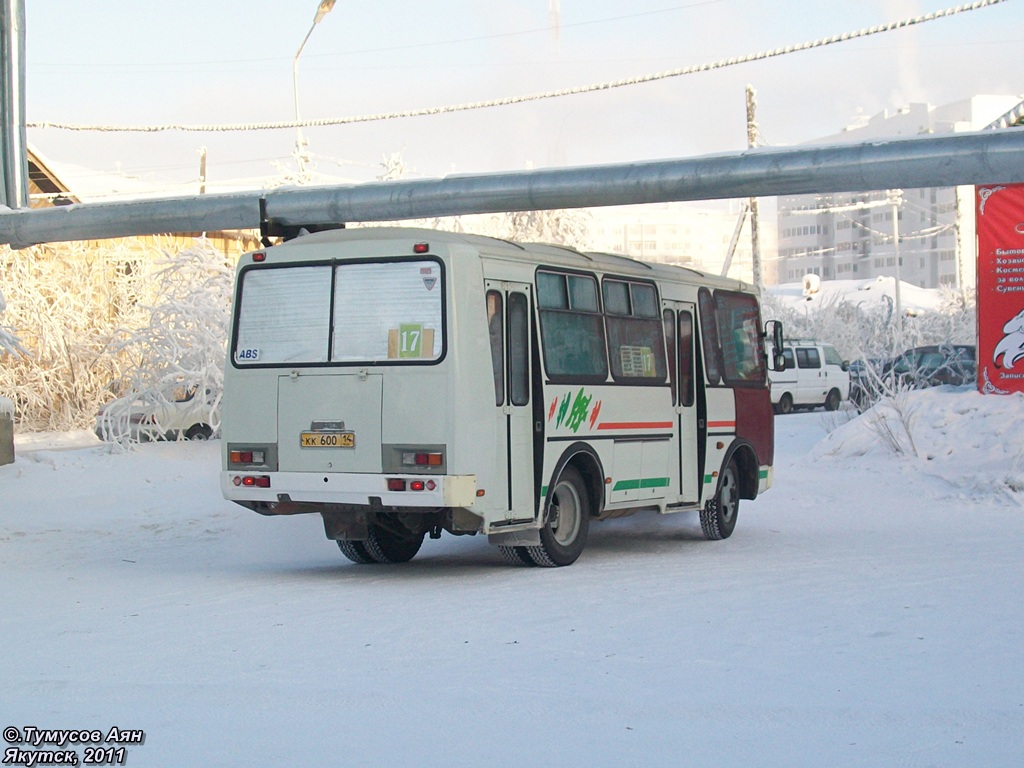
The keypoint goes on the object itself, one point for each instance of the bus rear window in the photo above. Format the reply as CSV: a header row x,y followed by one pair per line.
x,y
366,312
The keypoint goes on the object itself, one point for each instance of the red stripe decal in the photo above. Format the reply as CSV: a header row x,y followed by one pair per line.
x,y
721,424
635,425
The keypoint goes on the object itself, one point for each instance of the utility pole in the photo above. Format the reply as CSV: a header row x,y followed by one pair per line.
x,y
13,143
554,24
202,170
755,244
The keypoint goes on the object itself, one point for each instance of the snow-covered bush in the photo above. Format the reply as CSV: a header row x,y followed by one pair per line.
x,y
180,346
862,332
90,317
67,302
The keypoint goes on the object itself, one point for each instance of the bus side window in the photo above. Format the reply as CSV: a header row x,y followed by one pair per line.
x,y
685,359
669,321
571,328
709,336
495,327
518,349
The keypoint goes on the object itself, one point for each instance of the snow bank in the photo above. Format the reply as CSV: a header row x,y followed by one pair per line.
x,y
6,407
968,439
877,292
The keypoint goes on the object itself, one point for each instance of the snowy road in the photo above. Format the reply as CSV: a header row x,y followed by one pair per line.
x,y
866,612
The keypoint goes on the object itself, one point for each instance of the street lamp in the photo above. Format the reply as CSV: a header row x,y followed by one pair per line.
x,y
322,10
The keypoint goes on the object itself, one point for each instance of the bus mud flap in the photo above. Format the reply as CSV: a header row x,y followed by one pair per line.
x,y
529,537
346,524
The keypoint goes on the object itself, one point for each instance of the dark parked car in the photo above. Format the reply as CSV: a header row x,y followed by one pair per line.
x,y
917,368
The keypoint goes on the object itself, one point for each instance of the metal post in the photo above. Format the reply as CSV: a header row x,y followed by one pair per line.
x,y
755,241
896,197
13,143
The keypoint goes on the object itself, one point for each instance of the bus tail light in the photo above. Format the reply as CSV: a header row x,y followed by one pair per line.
x,y
401,484
252,481
247,457
422,459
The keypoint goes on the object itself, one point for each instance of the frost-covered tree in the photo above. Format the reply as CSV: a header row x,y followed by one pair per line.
x,y
67,302
557,227
91,317
181,345
861,332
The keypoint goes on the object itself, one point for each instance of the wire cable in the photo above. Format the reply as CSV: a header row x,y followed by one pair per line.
x,y
508,101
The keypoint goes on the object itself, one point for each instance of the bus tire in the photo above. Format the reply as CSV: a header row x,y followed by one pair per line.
x,y
356,552
833,400
564,534
385,546
718,517
785,404
517,555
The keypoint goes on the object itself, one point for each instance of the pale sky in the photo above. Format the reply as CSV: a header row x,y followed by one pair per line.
x,y
226,61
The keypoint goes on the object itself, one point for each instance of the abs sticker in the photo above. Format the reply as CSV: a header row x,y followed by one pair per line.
x,y
251,354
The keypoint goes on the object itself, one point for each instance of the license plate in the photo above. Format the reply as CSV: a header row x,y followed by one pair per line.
x,y
327,439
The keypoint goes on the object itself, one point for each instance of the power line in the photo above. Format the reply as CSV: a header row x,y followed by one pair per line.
x,y
511,100
393,48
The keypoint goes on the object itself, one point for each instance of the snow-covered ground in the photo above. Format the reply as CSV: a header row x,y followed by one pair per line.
x,y
866,612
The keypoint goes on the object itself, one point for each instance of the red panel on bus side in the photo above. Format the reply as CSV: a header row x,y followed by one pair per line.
x,y
755,421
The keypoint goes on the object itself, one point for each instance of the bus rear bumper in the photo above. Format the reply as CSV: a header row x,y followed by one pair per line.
x,y
308,488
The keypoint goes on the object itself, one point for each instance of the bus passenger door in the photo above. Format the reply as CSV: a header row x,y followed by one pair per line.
x,y
678,319
508,315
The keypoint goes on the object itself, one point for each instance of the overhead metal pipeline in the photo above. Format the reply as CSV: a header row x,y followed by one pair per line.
x,y
987,157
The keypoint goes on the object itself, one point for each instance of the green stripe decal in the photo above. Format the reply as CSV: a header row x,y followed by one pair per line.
x,y
708,479
762,474
543,491
646,482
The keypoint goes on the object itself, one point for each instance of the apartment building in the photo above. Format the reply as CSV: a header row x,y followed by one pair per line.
x,y
850,235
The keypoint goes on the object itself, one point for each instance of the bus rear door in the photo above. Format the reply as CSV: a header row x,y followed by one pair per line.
x,y
508,316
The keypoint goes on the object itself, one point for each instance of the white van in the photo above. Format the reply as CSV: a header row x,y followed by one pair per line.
x,y
815,374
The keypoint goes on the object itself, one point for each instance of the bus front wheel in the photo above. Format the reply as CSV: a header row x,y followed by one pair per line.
x,y
718,517
564,534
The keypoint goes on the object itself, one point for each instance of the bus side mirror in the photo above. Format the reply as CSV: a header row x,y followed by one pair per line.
x,y
778,359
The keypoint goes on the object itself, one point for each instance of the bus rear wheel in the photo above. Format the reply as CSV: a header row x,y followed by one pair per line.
x,y
517,555
356,552
387,546
718,517
564,534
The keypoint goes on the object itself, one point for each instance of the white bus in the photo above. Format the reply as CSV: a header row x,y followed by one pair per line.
x,y
401,382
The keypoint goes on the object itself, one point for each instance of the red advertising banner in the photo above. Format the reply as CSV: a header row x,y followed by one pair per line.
x,y
1000,220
